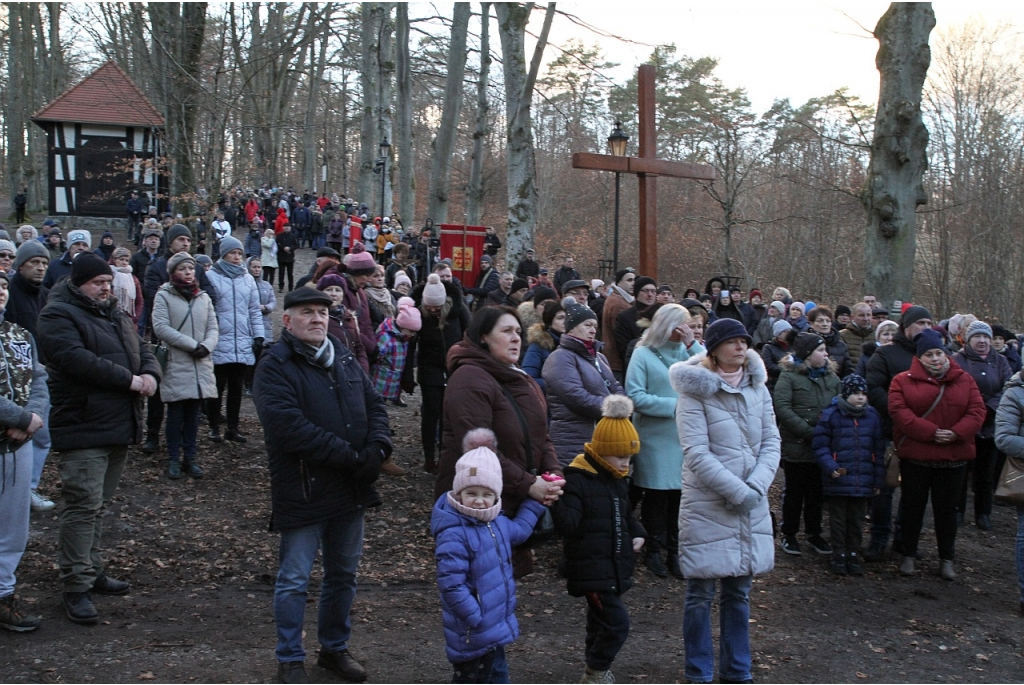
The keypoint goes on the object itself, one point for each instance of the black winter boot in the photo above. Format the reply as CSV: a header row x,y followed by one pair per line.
x,y
173,468
192,468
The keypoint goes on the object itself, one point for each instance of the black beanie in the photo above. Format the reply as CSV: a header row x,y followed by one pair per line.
x,y
842,310
575,314
805,344
518,284
87,266
915,313
641,283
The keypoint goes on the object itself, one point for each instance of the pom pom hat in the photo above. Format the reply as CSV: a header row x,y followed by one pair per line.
x,y
408,316
614,435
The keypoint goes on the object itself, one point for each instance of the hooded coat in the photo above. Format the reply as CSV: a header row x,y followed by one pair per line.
x,y
730,445
91,354
543,341
474,576
990,374
183,325
475,398
799,401
238,315
852,443
961,410
576,385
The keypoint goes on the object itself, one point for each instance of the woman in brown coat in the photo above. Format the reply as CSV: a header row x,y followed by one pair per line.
x,y
484,375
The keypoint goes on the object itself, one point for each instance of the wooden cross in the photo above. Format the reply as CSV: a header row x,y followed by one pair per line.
x,y
647,167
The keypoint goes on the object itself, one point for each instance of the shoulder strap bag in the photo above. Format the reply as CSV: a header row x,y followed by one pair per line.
x,y
892,460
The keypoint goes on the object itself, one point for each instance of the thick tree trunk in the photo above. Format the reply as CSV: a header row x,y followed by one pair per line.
x,y
403,80
368,75
899,151
386,61
440,168
310,158
14,99
475,191
522,171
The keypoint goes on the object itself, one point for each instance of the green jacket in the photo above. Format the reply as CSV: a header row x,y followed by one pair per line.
x,y
799,402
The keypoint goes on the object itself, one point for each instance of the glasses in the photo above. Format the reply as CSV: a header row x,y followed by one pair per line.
x,y
649,291
6,255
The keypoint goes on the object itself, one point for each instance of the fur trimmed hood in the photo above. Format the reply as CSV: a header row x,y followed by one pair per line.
x,y
694,378
538,334
787,364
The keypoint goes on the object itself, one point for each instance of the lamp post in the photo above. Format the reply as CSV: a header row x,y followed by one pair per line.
x,y
380,167
617,145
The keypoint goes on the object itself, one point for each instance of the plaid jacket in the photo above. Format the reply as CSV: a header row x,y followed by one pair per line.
x,y
392,347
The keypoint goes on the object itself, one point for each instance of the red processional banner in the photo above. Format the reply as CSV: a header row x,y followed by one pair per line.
x,y
463,245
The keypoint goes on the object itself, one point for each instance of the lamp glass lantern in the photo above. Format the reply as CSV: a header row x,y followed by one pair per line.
x,y
617,141
385,147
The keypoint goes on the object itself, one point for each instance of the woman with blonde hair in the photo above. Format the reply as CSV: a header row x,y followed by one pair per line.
x,y
659,464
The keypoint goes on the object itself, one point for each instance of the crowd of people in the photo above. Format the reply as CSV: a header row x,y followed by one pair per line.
x,y
635,425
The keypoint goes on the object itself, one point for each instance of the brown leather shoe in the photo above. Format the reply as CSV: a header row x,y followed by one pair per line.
x,y
342,663
391,468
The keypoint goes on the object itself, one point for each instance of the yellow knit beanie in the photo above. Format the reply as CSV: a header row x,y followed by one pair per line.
x,y
614,435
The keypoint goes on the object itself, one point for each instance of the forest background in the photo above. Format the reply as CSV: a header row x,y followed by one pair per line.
x,y
275,93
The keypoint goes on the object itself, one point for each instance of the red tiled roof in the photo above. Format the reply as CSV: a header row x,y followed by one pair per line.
x,y
106,96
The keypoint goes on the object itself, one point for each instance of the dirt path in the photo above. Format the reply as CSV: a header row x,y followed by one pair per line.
x,y
202,566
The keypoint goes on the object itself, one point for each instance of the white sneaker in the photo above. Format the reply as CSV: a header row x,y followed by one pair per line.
x,y
40,503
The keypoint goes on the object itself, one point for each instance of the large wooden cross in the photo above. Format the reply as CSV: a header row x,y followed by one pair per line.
x,y
647,167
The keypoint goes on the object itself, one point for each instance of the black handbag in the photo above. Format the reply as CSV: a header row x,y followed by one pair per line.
x,y
545,528
160,349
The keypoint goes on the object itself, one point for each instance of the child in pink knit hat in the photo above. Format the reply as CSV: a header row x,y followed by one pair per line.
x,y
393,336
474,562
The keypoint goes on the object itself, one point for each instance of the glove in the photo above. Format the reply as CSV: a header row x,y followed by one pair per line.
x,y
257,346
200,352
408,386
749,502
371,458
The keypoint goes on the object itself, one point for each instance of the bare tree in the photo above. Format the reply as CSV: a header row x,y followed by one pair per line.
x,y
519,84
898,152
475,189
404,139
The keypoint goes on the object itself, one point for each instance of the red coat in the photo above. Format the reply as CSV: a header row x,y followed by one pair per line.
x,y
961,410
251,209
280,221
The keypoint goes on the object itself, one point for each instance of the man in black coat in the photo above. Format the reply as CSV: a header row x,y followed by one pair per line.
x,y
567,272
528,268
488,280
884,365
99,371
327,435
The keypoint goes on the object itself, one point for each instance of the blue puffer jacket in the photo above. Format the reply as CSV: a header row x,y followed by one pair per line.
x,y
854,444
474,575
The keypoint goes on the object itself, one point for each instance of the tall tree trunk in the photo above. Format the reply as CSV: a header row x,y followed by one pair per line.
x,y
386,61
522,171
368,75
899,151
440,168
475,191
15,96
403,80
310,158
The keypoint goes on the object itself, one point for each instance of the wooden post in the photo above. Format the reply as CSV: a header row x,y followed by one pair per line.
x,y
648,182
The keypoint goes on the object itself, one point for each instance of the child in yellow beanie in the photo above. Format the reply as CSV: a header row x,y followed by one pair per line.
x,y
601,535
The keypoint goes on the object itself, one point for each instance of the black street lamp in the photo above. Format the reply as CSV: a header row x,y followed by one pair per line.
x,y
617,145
381,167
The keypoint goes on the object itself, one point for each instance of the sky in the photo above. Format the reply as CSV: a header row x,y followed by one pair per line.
x,y
774,50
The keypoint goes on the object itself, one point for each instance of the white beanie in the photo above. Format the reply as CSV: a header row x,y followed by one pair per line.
x,y
80,236
434,294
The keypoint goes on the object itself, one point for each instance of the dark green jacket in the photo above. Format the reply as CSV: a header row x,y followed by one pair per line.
x,y
799,402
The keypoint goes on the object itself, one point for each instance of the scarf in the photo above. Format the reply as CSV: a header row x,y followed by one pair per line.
x,y
850,410
484,515
382,298
228,269
124,289
819,372
591,345
324,355
733,378
186,290
622,293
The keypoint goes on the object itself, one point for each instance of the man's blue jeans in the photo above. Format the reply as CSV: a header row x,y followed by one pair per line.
x,y
734,628
341,539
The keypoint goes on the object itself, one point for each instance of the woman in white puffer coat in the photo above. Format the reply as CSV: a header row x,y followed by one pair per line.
x,y
731,451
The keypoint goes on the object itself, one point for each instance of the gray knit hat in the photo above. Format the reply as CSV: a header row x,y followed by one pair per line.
x,y
28,250
177,259
176,231
780,327
977,328
228,244
8,245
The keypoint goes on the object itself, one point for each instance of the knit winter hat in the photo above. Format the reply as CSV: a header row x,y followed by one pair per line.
x,y
361,264
177,231
518,284
723,330
621,273
408,315
203,259
28,250
434,293
177,259
882,325
402,277
779,307
327,280
9,246
87,266
480,467
851,384
804,344
916,313
228,244
843,310
576,313
808,306
1002,332
753,292
596,283
120,252
486,258
642,282
977,328
927,340
542,294
614,435
80,236
780,327
799,305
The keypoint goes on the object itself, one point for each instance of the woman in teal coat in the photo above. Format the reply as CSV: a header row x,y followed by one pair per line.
x,y
658,466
